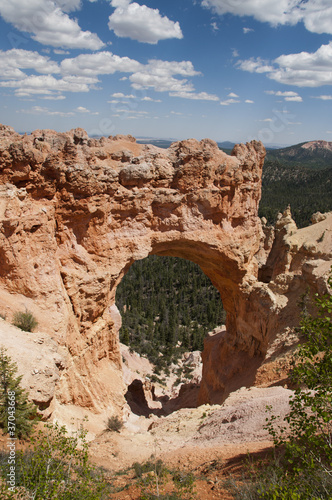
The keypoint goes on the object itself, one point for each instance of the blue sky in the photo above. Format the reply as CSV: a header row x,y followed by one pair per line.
x,y
225,69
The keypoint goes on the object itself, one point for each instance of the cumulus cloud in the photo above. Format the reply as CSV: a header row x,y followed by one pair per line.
x,y
68,5
247,30
296,98
141,23
249,101
281,12
315,14
39,110
100,63
82,109
159,75
49,24
288,95
323,97
120,95
80,74
227,102
305,69
53,97
255,65
201,96
279,93
47,84
14,60
149,99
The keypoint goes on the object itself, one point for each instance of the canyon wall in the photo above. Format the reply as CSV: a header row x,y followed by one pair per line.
x,y
76,212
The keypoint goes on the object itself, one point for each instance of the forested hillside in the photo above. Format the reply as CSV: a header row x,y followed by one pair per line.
x,y
304,189
167,306
313,154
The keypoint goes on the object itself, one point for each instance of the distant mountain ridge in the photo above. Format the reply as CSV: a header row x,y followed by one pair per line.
x,y
312,154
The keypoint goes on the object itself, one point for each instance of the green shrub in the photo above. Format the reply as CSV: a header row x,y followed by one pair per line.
x,y
302,466
25,320
17,414
56,466
154,479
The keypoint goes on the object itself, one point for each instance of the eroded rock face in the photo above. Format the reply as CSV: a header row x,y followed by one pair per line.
x,y
76,212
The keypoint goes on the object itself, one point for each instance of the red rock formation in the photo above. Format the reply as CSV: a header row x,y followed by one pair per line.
x,y
75,213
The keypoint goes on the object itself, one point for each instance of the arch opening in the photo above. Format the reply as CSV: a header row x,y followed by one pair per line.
x,y
168,306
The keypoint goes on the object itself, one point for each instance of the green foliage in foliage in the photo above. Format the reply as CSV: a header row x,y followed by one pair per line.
x,y
306,437
25,320
157,481
16,412
307,191
301,468
56,466
165,301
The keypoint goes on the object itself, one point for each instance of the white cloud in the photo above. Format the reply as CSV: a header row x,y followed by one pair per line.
x,y
120,3
280,12
159,75
227,102
149,99
14,60
47,84
305,69
53,97
202,96
235,53
60,51
80,74
120,95
296,98
39,110
214,26
48,24
82,109
247,30
279,93
257,65
249,101
322,97
100,63
68,5
315,14
231,94
141,23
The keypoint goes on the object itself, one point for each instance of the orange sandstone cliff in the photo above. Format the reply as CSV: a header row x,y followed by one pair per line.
x,y
76,212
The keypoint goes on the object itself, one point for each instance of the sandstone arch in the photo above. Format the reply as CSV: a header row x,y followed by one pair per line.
x,y
75,213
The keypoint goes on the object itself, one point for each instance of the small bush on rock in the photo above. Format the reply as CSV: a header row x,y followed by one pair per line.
x,y
114,424
25,320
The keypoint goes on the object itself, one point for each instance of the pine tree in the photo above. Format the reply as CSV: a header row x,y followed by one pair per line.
x,y
16,412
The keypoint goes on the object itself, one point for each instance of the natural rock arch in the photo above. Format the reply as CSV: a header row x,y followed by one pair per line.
x,y
77,212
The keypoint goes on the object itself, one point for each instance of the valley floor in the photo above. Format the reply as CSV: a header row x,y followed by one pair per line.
x,y
210,441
